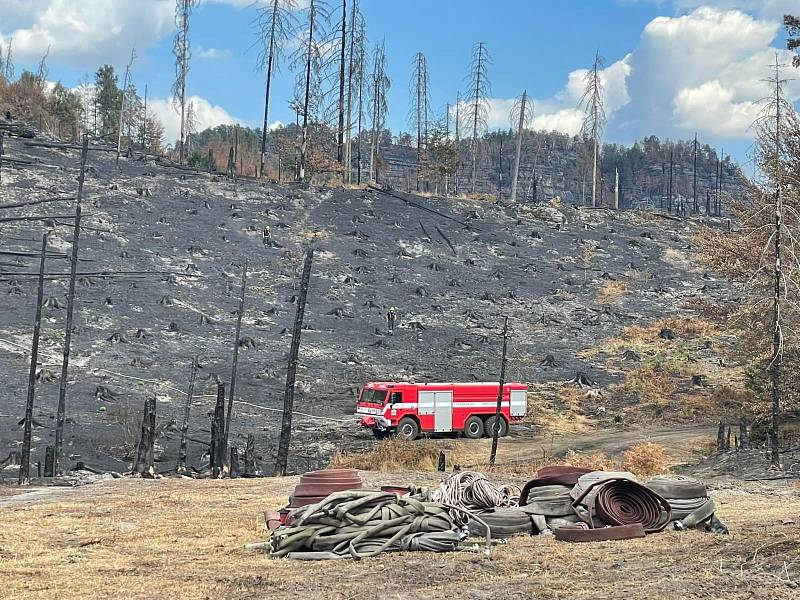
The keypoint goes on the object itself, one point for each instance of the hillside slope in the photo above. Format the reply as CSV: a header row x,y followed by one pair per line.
x,y
452,269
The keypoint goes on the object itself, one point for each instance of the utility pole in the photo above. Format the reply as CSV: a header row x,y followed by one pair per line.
x,y
288,394
497,415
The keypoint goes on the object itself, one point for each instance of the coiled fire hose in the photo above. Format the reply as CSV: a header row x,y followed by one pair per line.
x,y
616,498
359,524
472,491
689,500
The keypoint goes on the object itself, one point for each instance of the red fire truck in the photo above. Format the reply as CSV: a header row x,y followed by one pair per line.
x,y
409,409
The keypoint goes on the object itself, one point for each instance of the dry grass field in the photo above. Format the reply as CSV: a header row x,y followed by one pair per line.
x,y
174,538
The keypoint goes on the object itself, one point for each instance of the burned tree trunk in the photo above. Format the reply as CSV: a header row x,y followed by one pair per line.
x,y
250,464
144,453
497,426
49,462
25,460
234,463
721,437
73,269
744,436
2,151
236,340
218,434
181,467
288,394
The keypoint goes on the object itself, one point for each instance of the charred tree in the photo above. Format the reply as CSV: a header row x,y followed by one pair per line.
x,y
276,24
236,343
419,92
62,388
522,115
180,49
594,120
25,459
477,110
380,86
144,466
218,434
125,81
496,423
288,393
181,466
341,104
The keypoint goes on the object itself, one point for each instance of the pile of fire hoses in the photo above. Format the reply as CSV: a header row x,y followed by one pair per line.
x,y
575,504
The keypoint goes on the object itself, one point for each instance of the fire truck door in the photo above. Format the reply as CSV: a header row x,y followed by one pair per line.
x,y
443,419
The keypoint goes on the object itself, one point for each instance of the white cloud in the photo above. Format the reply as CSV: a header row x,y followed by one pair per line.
x,y
207,115
81,32
212,53
701,71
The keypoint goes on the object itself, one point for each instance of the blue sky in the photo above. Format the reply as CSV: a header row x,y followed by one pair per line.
x,y
673,66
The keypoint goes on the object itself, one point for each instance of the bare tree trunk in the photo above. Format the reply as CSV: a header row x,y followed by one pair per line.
x,y
270,57
360,109
458,143
671,166
348,155
518,153
184,69
594,173
497,412
25,459
144,453
181,467
218,434
122,105
616,188
340,133
236,340
695,208
288,394
62,388
304,142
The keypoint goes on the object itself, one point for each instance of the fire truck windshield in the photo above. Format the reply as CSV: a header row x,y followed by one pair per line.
x,y
373,396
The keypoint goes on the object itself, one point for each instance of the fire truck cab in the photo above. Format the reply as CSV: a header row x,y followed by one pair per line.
x,y
409,409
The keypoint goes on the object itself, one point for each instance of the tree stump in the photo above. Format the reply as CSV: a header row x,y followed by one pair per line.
x,y
234,463
250,463
49,461
218,434
744,435
144,453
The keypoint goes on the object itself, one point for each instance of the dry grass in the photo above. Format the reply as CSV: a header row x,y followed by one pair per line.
x,y
183,539
397,454
597,461
612,291
646,459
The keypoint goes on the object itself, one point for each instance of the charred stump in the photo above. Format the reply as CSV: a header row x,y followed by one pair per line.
x,y
144,453
582,380
744,435
49,462
235,470
250,460
218,434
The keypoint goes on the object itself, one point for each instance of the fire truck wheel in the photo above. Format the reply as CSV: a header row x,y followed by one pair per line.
x,y
408,428
473,428
490,427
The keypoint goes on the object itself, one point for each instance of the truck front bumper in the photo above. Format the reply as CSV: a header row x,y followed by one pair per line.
x,y
375,422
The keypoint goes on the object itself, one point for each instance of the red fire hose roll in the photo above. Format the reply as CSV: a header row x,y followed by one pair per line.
x,y
621,501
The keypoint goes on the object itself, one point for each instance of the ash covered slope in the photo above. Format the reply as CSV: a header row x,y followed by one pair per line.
x,y
183,238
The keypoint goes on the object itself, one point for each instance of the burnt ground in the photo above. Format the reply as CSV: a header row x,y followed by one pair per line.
x,y
452,269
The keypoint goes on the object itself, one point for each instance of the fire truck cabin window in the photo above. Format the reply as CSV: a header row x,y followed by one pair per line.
x,y
374,396
396,397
